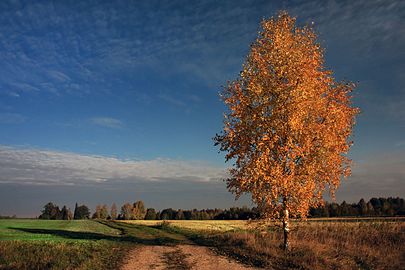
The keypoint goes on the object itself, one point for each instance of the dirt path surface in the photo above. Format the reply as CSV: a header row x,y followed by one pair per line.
x,y
180,257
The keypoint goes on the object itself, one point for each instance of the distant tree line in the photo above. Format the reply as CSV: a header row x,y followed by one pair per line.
x,y
131,211
374,207
204,214
138,211
8,217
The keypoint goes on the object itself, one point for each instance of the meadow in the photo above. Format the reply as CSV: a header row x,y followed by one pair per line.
x,y
97,244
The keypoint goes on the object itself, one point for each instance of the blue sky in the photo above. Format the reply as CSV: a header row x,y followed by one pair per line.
x,y
134,86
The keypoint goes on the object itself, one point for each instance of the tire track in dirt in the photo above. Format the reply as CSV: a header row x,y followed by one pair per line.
x,y
147,257
176,260
181,257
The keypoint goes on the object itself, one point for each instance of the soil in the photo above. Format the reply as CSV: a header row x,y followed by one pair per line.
x,y
180,257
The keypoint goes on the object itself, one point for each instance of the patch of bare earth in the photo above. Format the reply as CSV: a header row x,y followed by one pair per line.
x,y
180,257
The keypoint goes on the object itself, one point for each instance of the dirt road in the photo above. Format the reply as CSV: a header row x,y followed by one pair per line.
x,y
178,257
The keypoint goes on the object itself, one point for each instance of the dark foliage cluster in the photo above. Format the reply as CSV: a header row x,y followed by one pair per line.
x,y
374,207
81,212
233,213
52,211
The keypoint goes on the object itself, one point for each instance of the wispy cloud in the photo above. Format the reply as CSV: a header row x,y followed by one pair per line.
x,y
203,40
11,118
37,167
107,122
24,87
99,39
367,25
59,76
12,94
364,41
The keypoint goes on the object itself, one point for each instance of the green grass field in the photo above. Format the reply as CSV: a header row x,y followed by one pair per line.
x,y
58,244
51,230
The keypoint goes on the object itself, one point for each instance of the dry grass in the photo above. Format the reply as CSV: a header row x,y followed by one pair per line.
x,y
350,243
320,245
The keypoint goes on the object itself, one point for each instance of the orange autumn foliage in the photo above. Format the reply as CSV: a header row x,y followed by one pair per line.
x,y
289,122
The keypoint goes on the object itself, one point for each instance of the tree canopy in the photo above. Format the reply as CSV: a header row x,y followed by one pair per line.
x,y
81,212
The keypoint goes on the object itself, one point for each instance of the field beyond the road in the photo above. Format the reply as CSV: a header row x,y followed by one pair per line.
x,y
99,244
204,226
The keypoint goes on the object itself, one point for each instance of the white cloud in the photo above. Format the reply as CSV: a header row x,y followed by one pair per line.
x,y
25,87
36,167
59,76
107,122
381,175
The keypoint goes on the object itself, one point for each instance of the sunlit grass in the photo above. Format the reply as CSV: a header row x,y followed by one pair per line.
x,y
198,225
13,229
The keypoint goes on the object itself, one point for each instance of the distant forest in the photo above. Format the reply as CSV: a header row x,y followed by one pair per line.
x,y
374,207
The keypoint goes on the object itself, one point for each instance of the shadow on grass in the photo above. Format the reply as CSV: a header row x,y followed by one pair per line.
x,y
68,234
128,233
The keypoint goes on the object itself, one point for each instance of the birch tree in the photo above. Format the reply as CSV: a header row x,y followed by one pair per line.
x,y
288,125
